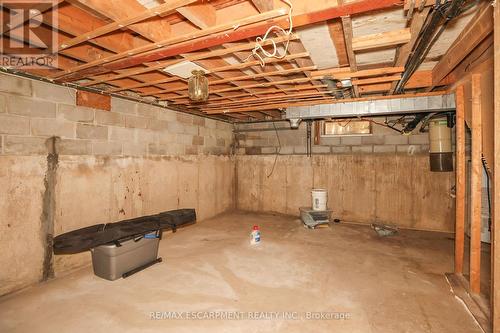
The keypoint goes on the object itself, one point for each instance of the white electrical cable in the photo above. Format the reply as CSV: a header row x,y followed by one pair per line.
x,y
260,41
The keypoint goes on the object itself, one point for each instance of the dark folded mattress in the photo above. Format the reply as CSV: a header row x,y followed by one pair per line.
x,y
89,237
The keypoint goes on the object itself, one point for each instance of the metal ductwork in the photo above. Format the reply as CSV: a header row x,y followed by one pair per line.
x,y
294,123
376,107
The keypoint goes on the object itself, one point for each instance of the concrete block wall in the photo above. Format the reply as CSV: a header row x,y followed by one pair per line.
x,y
134,160
32,111
293,142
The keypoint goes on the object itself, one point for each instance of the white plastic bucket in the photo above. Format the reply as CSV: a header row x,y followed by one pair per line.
x,y
319,199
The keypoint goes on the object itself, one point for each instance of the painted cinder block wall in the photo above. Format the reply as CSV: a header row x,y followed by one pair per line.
x,y
134,160
379,178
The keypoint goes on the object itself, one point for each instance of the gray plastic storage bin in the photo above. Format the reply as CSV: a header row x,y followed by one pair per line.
x,y
110,261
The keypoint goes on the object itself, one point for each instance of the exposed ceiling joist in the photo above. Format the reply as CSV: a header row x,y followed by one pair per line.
x,y
203,15
263,5
381,40
213,38
125,22
340,74
474,33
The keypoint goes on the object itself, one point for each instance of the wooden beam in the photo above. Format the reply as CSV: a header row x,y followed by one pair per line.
x,y
479,27
343,74
93,100
460,177
495,226
122,23
265,74
420,79
476,185
263,93
337,36
154,29
261,99
255,85
210,71
479,59
269,105
263,5
239,78
226,34
202,15
381,40
321,101
75,21
144,84
194,57
347,28
372,88
179,43
376,80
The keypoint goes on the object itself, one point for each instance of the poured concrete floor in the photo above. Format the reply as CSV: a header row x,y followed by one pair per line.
x,y
384,285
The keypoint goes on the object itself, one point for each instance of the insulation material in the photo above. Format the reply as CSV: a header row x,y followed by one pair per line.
x,y
449,35
150,3
385,21
376,57
317,41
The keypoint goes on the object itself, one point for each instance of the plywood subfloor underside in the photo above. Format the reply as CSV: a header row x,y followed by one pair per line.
x,y
387,285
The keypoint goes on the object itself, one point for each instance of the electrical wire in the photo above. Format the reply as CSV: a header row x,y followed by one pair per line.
x,y
260,41
380,124
277,152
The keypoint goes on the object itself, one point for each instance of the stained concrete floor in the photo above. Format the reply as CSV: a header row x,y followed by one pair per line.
x,y
384,285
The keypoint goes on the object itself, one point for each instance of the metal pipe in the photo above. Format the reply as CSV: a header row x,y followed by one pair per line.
x,y
309,141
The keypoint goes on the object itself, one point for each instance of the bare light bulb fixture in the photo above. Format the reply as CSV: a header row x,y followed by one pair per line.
x,y
198,86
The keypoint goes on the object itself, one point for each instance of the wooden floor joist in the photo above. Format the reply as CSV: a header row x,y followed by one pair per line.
x,y
171,41
220,35
124,47
381,40
113,26
353,66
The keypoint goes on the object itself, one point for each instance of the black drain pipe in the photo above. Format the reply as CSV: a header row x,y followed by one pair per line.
x,y
442,14
309,138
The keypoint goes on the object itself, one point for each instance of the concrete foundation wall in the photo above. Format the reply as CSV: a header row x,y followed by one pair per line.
x,y
365,188
105,166
102,190
383,177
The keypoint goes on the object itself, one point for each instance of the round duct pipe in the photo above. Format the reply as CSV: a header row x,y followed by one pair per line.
x,y
441,153
295,122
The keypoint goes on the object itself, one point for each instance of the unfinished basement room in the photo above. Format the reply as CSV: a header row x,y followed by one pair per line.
x,y
250,166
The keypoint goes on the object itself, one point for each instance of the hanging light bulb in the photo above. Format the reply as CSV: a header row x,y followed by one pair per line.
x,y
198,86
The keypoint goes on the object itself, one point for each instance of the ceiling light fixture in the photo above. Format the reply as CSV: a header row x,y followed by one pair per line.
x,y
198,87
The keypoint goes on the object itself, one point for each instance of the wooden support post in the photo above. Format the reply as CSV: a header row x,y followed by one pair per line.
x,y
476,174
460,181
495,232
347,25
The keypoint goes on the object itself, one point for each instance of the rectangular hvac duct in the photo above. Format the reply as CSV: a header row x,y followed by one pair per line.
x,y
375,107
